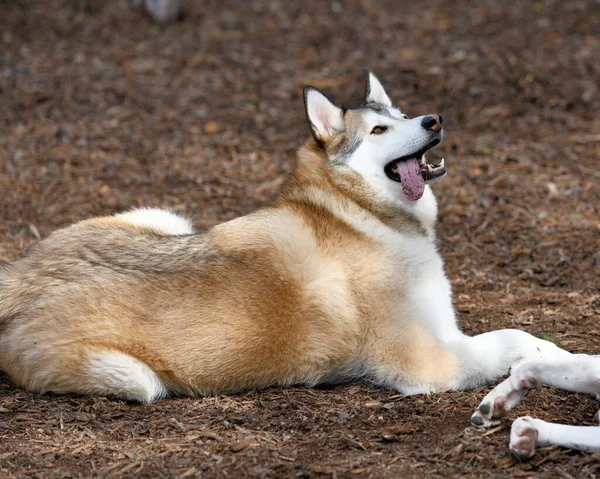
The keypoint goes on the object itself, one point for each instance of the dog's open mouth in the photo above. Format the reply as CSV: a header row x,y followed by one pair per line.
x,y
414,172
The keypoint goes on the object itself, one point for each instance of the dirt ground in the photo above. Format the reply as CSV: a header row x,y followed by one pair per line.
x,y
101,110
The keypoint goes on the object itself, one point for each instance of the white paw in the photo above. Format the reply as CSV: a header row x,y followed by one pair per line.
x,y
489,412
523,438
503,397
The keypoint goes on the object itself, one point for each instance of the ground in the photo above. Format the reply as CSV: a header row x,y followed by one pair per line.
x,y
101,110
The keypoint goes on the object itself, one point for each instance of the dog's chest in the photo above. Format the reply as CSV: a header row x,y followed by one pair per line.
x,y
414,259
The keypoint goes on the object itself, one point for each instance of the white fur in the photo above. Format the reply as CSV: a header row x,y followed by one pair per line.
x,y
118,374
164,221
376,92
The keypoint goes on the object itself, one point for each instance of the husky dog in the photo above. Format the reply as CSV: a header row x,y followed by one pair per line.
x,y
338,277
579,373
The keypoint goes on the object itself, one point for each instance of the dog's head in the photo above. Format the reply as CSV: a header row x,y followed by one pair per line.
x,y
377,140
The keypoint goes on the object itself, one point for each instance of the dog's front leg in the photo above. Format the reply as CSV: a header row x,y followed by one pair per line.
x,y
489,356
577,372
415,363
527,434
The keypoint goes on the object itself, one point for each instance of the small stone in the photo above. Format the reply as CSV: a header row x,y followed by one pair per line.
x,y
212,127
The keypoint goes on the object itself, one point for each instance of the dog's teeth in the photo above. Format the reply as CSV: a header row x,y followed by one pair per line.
x,y
429,167
442,162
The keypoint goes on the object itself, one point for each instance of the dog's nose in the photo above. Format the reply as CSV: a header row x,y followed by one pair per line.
x,y
432,122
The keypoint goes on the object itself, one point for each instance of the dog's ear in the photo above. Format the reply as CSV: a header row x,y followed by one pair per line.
x,y
375,92
324,117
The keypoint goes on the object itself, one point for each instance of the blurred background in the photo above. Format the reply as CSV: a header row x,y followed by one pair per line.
x,y
102,108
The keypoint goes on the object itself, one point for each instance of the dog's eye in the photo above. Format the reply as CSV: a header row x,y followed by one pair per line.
x,y
378,130
404,116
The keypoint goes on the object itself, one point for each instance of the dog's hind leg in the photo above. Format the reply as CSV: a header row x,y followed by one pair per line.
x,y
527,434
80,369
578,373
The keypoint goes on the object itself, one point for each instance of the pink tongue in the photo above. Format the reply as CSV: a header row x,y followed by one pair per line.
x,y
413,183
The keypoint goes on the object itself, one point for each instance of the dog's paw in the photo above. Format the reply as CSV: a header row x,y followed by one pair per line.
x,y
489,412
523,438
503,398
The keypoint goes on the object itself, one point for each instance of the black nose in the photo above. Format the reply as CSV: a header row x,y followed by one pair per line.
x,y
432,122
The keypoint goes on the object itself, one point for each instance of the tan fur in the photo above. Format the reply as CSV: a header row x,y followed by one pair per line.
x,y
292,293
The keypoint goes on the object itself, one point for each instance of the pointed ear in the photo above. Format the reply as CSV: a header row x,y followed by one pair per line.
x,y
324,117
375,92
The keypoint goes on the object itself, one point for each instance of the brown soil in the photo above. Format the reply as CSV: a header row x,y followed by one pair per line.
x,y
101,110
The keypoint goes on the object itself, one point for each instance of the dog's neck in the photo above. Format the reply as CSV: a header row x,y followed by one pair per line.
x,y
317,182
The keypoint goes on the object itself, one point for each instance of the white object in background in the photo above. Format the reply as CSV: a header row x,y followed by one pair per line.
x,y
162,11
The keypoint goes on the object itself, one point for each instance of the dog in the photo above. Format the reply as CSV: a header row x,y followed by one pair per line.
x,y
578,373
338,277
